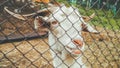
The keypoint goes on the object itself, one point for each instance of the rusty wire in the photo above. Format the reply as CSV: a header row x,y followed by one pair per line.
x,y
21,46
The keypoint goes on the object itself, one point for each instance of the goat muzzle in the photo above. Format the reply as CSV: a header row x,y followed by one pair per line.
x,y
77,50
78,43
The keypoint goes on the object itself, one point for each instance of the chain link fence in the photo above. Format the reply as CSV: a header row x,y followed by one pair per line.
x,y
23,46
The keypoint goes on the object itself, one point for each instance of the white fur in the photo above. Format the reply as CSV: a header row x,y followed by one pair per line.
x,y
61,35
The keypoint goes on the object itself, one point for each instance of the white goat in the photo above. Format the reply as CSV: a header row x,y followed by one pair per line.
x,y
65,39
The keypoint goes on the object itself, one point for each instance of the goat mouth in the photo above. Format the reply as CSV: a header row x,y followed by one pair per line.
x,y
73,51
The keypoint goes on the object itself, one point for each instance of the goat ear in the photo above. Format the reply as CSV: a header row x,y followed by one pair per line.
x,y
89,28
40,21
88,18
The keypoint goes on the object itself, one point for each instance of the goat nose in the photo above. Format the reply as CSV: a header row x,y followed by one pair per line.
x,y
78,42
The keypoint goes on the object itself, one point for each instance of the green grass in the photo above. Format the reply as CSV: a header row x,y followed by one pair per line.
x,y
104,18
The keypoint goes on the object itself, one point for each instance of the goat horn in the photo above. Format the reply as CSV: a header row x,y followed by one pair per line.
x,y
92,16
14,14
50,9
88,18
22,17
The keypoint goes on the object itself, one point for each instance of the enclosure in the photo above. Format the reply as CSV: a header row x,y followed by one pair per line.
x,y
23,46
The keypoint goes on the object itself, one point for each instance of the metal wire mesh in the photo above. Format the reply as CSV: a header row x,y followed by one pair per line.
x,y
22,46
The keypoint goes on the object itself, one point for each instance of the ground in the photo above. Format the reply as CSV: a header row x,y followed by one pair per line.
x,y
103,52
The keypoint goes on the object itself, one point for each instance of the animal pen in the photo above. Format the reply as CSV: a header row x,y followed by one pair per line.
x,y
24,43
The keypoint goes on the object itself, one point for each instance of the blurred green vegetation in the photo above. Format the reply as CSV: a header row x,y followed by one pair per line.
x,y
104,18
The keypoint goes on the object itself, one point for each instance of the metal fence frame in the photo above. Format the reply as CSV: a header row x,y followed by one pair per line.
x,y
8,60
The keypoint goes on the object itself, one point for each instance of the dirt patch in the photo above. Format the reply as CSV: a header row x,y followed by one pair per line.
x,y
14,29
102,50
35,53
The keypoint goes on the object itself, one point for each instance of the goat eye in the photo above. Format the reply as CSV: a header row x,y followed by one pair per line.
x,y
54,22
